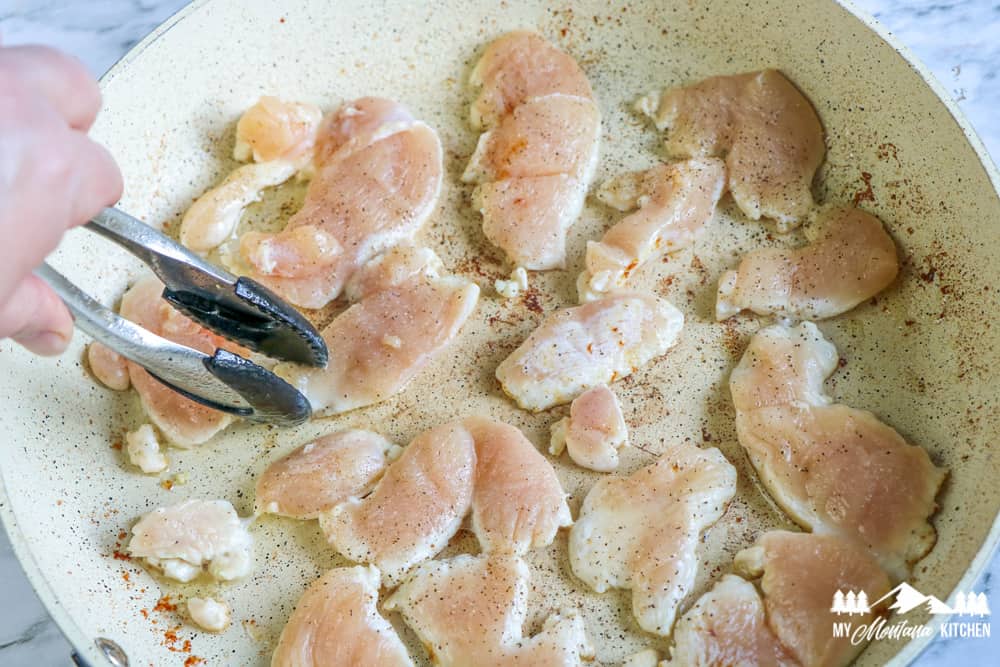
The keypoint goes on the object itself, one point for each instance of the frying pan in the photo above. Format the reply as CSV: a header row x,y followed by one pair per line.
x,y
922,355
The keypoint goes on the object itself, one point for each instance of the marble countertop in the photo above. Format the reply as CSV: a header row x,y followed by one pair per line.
x,y
957,39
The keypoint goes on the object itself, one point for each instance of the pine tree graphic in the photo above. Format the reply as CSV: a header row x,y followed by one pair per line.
x,y
862,606
838,603
981,606
960,605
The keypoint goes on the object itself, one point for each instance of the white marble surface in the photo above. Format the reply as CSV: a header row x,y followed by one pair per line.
x,y
959,40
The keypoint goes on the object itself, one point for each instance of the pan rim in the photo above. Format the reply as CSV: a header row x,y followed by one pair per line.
x,y
84,645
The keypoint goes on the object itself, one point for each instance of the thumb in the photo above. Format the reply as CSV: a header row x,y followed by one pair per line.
x,y
36,317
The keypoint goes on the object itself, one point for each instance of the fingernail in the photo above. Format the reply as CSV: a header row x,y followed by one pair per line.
x,y
45,343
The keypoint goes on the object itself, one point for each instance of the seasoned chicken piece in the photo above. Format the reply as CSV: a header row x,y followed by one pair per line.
x,y
109,367
394,268
336,623
416,507
727,627
518,503
182,421
557,134
209,614
641,532
594,431
278,136
321,474
471,610
518,67
675,201
274,129
801,572
194,535
850,258
766,130
834,469
143,450
535,164
528,217
380,343
578,348
366,197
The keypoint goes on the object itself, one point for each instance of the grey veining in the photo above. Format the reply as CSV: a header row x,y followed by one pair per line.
x,y
958,40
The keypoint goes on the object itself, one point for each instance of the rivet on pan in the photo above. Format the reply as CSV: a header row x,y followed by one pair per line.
x,y
112,651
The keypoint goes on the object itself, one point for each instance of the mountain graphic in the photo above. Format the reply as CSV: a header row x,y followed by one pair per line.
x,y
908,598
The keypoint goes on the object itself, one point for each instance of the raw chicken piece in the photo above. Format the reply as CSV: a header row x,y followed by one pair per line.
x,y
321,474
336,623
557,134
183,539
801,573
535,164
528,217
578,348
518,503
594,431
518,67
143,450
367,196
850,258
182,421
416,507
675,201
380,343
727,627
209,614
834,469
279,137
394,268
471,610
766,130
641,532
109,367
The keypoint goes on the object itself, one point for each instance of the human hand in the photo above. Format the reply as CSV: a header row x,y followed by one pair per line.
x,y
52,177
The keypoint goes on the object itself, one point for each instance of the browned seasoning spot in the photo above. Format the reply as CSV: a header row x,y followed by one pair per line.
x,y
118,555
117,444
530,299
144,612
841,362
193,660
167,484
281,20
164,604
705,435
590,348
867,194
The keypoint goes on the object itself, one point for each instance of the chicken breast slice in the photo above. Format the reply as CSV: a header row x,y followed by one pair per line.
x,y
194,535
321,474
336,623
364,199
182,421
278,136
674,203
578,348
517,67
727,627
833,468
594,431
416,507
518,503
109,367
380,343
764,127
800,573
849,259
471,610
641,532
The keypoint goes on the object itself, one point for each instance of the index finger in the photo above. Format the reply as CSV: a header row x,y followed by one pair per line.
x,y
59,78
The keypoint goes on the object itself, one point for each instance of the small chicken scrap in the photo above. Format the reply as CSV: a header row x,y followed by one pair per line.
x,y
471,610
406,314
321,474
833,468
336,623
194,536
761,124
535,160
641,532
674,203
578,348
594,431
850,258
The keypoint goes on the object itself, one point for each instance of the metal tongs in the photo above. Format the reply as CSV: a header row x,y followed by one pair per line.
x,y
239,309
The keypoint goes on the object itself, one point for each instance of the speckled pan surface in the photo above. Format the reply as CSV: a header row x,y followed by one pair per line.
x,y
922,355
